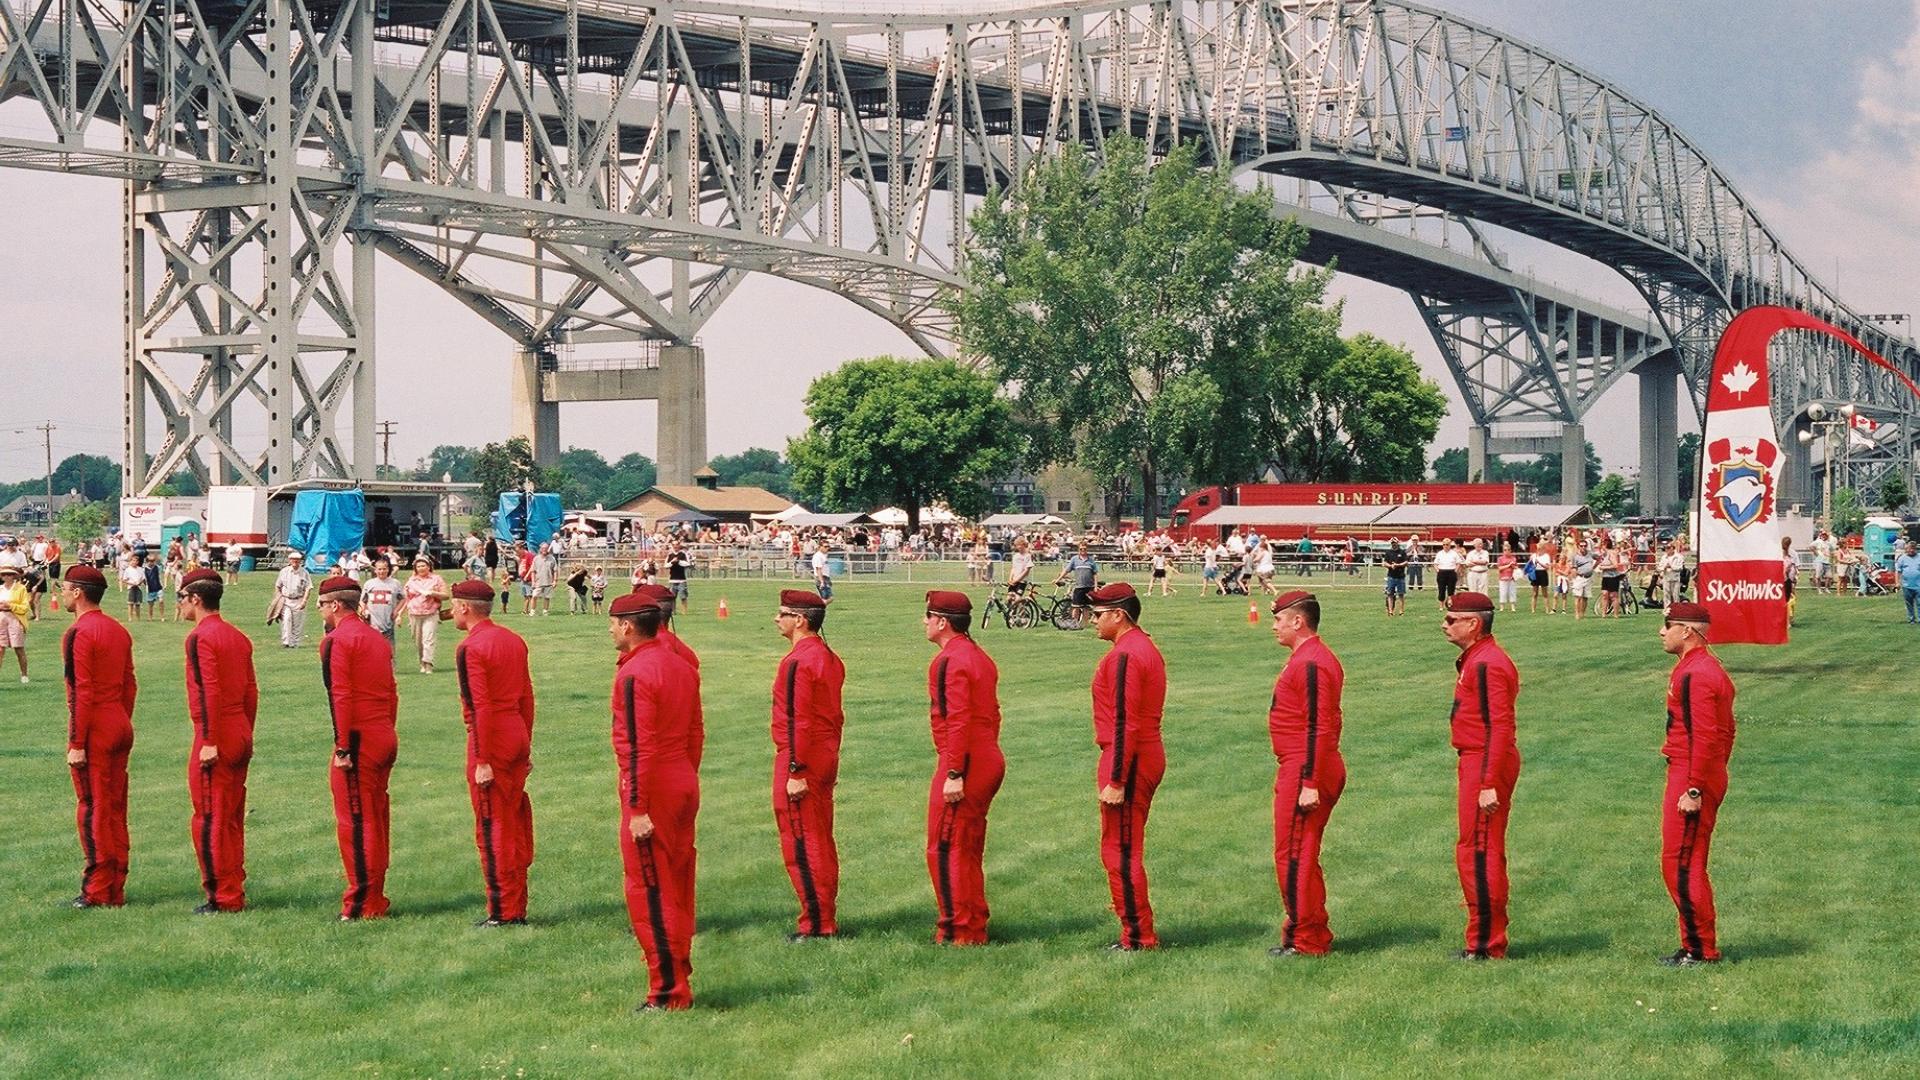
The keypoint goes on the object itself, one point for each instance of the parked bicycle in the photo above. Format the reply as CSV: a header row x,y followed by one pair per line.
x,y
1016,611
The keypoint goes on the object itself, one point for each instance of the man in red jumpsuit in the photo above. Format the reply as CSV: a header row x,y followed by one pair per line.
x,y
807,720
356,667
1489,765
963,689
1304,724
222,702
1699,742
658,736
496,702
663,598
97,653
1129,696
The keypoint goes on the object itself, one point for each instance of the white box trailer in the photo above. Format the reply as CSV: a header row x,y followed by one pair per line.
x,y
237,514
141,519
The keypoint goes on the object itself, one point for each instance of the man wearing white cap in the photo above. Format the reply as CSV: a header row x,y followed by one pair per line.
x,y
291,587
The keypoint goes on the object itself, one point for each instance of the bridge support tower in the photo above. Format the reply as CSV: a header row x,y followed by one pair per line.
x,y
1659,378
673,375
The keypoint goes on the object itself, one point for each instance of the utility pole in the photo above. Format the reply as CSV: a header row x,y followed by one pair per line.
x,y
46,430
386,444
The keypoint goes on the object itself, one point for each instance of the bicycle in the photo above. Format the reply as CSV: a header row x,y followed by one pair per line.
x,y
1016,611
1064,614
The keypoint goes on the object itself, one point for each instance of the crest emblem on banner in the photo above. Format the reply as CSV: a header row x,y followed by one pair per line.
x,y
1740,482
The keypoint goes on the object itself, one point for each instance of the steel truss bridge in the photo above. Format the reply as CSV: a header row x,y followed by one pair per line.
x,y
599,175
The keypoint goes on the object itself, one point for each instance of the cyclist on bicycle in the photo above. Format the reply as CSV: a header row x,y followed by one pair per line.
x,y
1085,572
1020,569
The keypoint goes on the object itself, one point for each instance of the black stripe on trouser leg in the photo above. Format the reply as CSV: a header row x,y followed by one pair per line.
x,y
1129,906
1683,882
809,895
488,865
1296,836
943,877
208,879
656,913
357,903
87,811
1482,889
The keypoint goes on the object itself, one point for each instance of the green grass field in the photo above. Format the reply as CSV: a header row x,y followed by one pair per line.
x,y
1814,867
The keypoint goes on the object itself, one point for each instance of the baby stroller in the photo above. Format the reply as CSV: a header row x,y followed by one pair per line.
x,y
1235,583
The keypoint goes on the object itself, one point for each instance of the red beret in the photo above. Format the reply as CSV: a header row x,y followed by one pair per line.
x,y
1288,599
474,589
195,577
658,595
338,584
86,575
948,602
1471,602
1688,612
1110,596
632,603
800,598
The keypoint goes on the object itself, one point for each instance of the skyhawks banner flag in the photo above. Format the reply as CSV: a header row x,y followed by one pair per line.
x,y
1741,577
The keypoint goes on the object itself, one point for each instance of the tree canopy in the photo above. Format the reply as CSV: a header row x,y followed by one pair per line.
x,y
1367,415
906,433
1145,318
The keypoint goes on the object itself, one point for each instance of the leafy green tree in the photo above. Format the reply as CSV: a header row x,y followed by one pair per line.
x,y
904,433
1609,498
503,467
79,522
580,477
757,467
1368,416
1893,492
1847,517
632,475
1689,465
1146,320
91,475
448,460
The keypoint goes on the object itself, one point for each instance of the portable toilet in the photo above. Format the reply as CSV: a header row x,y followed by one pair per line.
x,y
183,529
1881,539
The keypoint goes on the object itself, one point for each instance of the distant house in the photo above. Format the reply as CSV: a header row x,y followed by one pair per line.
x,y
735,505
34,508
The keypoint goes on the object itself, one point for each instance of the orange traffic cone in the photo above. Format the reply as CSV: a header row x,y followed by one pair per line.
x,y
721,611
1253,613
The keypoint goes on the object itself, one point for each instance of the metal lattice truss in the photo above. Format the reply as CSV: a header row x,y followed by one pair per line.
x,y
599,171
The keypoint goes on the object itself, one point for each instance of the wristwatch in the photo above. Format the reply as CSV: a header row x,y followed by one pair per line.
x,y
1693,793
955,774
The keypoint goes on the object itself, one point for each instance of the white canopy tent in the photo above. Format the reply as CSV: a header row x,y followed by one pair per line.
x,y
791,512
1524,516
1024,521
929,515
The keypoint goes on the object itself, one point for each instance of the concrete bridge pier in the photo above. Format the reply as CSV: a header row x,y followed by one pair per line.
x,y
1571,445
1659,379
673,375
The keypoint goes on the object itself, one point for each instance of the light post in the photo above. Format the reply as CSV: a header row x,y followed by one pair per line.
x,y
1834,431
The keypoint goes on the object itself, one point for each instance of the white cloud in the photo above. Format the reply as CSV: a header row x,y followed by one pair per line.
x,y
1854,207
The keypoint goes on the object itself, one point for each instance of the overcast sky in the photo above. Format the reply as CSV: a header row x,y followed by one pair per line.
x,y
1813,110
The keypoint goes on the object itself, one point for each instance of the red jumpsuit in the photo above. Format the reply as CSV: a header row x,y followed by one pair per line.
x,y
356,667
1699,742
98,655
496,702
658,735
1483,733
963,692
679,648
1304,724
222,701
807,720
1129,696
